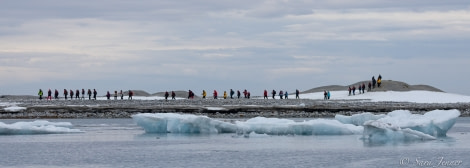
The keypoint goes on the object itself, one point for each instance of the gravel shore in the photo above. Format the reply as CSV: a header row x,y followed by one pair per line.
x,y
229,108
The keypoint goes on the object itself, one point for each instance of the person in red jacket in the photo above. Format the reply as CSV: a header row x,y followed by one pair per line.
x,y
215,94
71,94
65,94
265,94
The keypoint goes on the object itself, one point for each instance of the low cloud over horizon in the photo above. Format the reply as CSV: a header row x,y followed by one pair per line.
x,y
181,45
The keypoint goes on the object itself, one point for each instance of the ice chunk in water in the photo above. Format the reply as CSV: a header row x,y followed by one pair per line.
x,y
178,123
37,127
275,126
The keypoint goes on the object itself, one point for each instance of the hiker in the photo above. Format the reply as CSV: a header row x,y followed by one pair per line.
x,y
77,94
65,94
379,82
215,94
40,93
281,94
328,94
190,94
297,92
204,94
349,89
238,94
286,95
325,95
89,94
249,94
108,95
122,95
83,94
231,93
354,90
115,95
94,93
130,95
173,95
373,82
49,95
166,95
265,94
369,87
71,94
225,94
245,93
56,94
273,93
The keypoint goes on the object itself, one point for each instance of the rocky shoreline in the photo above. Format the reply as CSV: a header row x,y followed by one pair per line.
x,y
230,108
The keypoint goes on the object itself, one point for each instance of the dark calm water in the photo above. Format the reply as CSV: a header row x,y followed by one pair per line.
x,y
120,143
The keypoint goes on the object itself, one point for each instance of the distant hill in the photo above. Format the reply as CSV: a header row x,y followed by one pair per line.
x,y
387,85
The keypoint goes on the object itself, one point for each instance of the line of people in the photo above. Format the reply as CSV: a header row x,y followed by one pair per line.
x,y
246,94
76,94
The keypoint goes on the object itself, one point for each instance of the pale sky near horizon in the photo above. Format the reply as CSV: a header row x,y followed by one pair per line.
x,y
210,44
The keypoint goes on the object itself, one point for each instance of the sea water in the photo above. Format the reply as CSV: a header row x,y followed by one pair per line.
x,y
121,143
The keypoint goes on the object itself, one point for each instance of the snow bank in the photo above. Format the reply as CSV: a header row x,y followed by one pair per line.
x,y
177,123
410,96
37,127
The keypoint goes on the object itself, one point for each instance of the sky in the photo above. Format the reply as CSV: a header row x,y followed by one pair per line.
x,y
221,45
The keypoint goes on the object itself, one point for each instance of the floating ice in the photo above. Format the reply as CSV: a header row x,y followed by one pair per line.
x,y
435,123
37,127
402,125
396,125
377,131
275,126
177,123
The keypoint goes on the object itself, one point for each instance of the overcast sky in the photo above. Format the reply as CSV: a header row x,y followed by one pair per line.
x,y
244,44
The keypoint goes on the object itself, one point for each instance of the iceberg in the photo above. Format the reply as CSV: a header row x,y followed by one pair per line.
x,y
37,127
181,123
395,126
402,125
192,124
377,131
275,126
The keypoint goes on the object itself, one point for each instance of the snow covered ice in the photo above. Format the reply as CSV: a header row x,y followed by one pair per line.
x,y
396,125
37,127
177,123
275,126
402,125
